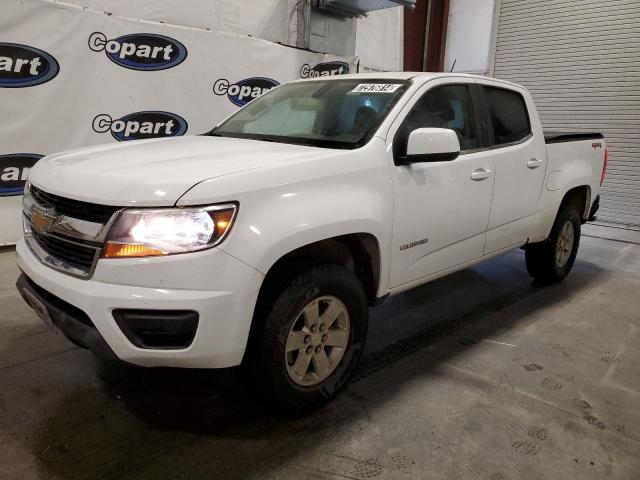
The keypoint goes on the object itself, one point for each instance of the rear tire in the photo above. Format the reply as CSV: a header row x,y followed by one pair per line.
x,y
551,261
303,356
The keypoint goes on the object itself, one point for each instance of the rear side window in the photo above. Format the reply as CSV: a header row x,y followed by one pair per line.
x,y
509,116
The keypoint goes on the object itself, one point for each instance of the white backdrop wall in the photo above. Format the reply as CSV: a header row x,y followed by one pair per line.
x,y
60,89
379,40
469,35
266,19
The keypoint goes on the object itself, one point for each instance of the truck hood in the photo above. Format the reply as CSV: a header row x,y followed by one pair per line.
x,y
157,172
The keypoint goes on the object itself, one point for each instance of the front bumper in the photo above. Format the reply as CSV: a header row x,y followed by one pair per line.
x,y
220,288
71,321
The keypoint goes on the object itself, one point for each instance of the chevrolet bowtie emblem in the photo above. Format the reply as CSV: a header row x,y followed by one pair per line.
x,y
40,221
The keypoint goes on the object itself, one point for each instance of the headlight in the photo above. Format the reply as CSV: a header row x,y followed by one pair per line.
x,y
153,232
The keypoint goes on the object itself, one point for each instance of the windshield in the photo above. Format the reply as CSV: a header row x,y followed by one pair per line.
x,y
325,113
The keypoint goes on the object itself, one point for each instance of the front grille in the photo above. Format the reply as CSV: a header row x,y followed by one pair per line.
x,y
77,255
90,212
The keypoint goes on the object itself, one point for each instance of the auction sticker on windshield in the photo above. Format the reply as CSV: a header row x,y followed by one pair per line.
x,y
376,88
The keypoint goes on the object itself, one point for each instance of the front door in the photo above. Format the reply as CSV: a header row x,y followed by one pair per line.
x,y
441,209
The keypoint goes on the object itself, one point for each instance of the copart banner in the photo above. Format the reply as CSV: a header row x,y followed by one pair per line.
x,y
72,77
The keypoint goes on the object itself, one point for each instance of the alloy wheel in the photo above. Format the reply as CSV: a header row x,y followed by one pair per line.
x,y
317,341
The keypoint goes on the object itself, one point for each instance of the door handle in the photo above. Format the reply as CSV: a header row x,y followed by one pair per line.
x,y
534,163
480,174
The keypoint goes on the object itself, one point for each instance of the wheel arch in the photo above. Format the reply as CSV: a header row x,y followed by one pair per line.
x,y
580,198
359,252
552,202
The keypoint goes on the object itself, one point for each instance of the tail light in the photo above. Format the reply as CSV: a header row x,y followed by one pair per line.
x,y
604,165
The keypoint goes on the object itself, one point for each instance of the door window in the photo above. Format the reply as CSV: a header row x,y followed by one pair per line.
x,y
449,106
509,116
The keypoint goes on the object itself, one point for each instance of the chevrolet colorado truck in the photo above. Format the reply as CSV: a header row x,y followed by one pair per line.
x,y
262,243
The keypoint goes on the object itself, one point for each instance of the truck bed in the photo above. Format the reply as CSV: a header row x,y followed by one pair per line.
x,y
575,158
560,137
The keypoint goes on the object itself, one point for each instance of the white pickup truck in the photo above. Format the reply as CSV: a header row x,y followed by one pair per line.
x,y
263,242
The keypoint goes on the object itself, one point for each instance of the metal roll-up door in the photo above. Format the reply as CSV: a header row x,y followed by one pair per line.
x,y
581,61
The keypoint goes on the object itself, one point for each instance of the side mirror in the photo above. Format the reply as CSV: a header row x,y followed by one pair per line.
x,y
431,145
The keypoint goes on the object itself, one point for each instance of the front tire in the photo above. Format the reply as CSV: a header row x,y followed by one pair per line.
x,y
551,261
313,334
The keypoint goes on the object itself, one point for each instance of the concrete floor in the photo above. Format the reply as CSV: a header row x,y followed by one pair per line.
x,y
479,375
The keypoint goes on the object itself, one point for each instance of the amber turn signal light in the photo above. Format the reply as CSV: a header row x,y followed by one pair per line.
x,y
120,250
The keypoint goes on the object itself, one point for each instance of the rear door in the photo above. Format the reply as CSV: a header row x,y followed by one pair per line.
x,y
441,209
520,157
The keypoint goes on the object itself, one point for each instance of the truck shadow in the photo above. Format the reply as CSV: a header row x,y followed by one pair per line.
x,y
167,423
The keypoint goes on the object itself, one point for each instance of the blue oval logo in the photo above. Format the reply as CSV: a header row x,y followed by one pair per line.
x,y
140,51
141,125
325,69
25,66
242,92
14,170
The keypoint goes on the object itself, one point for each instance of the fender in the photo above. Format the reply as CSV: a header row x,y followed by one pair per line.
x,y
567,170
290,206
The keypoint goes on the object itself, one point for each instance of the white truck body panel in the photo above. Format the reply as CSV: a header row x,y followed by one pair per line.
x,y
346,192
156,172
520,170
462,207
570,165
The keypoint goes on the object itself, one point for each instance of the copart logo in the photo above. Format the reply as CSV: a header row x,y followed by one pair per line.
x,y
141,125
242,92
14,169
24,66
140,51
324,69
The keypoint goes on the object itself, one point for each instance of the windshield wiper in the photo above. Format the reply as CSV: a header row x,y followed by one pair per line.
x,y
310,142
265,138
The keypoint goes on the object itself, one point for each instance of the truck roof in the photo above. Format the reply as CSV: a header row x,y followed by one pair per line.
x,y
422,76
